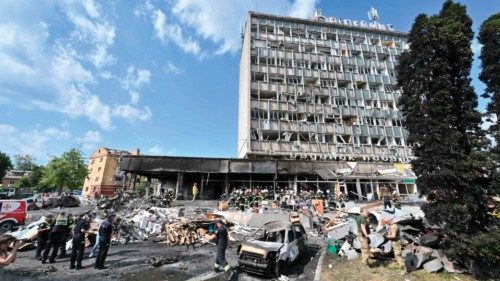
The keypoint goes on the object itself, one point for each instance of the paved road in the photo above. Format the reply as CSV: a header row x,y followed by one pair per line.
x,y
130,262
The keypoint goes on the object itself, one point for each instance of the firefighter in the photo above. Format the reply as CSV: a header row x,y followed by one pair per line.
x,y
82,226
221,237
67,235
105,231
43,235
58,231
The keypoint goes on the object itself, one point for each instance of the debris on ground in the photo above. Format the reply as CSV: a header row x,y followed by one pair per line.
x,y
159,261
61,201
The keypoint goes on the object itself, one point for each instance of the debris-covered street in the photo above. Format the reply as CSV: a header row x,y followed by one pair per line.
x,y
150,260
163,240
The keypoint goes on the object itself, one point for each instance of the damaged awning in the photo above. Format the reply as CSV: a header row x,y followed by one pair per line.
x,y
326,174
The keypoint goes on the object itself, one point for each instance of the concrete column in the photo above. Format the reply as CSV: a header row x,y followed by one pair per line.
x,y
201,185
148,185
377,186
358,189
180,179
295,185
226,185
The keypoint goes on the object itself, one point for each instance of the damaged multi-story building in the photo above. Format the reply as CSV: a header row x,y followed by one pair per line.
x,y
318,108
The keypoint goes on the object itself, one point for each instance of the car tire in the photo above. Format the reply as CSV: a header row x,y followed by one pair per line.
x,y
280,268
6,226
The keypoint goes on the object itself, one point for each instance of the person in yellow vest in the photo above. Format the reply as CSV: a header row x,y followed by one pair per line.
x,y
195,191
393,235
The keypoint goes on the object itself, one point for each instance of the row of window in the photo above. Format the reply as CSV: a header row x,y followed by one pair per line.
x,y
257,114
338,139
278,27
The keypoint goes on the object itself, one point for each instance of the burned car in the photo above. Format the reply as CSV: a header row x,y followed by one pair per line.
x,y
272,248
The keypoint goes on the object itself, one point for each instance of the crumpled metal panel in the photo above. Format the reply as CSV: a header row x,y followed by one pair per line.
x,y
376,240
386,247
433,265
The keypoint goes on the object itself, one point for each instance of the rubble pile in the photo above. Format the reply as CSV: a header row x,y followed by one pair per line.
x,y
419,241
138,218
62,201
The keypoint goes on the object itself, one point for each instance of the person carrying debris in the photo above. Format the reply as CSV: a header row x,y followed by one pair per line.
x,y
195,191
5,257
82,226
363,232
43,236
221,237
56,237
105,231
393,235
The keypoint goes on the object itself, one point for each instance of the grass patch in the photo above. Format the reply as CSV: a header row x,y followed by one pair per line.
x,y
379,270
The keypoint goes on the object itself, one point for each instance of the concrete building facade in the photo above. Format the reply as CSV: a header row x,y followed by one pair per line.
x,y
317,109
13,176
321,88
104,177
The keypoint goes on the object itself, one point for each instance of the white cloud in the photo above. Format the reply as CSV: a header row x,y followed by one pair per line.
x,y
95,30
131,113
303,8
172,32
34,142
56,133
90,8
50,71
105,75
136,78
220,21
170,67
92,136
158,150
134,97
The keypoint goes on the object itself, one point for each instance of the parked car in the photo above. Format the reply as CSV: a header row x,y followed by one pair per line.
x,y
7,193
273,248
12,213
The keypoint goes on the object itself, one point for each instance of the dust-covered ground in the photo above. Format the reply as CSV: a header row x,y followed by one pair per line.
x,y
130,262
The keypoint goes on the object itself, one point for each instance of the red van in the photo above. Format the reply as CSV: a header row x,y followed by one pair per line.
x,y
12,212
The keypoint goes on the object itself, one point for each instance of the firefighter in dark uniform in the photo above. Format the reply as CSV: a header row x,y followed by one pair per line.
x,y
57,234
81,227
67,235
105,231
43,236
221,237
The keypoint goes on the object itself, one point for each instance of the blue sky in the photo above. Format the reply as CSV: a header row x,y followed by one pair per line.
x,y
160,75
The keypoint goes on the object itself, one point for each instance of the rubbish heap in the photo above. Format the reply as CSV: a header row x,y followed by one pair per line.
x,y
144,218
420,242
62,201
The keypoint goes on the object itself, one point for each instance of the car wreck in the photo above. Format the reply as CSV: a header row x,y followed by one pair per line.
x,y
272,248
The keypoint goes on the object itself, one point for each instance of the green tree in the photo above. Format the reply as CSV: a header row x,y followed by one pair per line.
x,y
439,107
67,171
24,162
5,164
489,37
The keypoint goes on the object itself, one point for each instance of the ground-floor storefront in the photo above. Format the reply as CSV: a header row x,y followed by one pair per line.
x,y
215,176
